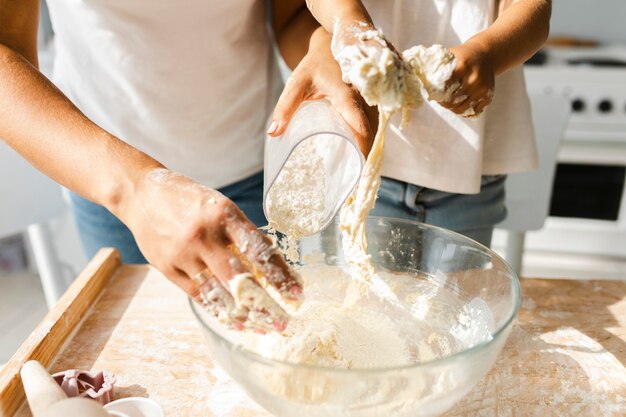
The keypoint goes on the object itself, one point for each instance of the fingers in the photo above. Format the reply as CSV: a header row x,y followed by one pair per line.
x,y
230,272
217,300
461,104
472,82
206,290
182,281
200,283
480,107
251,301
264,261
185,238
292,96
488,98
351,108
222,280
472,107
469,102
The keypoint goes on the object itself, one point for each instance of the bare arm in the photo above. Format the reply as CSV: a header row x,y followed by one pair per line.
x,y
186,230
305,47
346,12
519,31
521,28
18,27
293,27
48,130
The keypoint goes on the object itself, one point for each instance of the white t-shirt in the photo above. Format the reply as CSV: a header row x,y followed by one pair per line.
x,y
439,149
190,83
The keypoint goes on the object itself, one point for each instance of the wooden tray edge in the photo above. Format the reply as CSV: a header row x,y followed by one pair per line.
x,y
50,335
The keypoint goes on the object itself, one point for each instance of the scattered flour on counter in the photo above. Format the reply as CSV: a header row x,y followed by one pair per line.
x,y
567,368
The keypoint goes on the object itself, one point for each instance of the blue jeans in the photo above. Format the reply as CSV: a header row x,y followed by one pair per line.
x,y
473,215
98,228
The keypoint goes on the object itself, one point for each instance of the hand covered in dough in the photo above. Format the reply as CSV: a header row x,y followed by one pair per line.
x,y
316,77
472,83
371,64
202,242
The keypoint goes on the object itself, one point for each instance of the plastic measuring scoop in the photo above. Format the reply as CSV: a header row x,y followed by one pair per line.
x,y
323,134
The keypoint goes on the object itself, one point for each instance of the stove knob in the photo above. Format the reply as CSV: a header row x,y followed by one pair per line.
x,y
605,106
578,105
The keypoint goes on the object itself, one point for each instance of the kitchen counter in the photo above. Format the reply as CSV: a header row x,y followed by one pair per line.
x,y
566,355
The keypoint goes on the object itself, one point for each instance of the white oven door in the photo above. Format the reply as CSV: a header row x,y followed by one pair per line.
x,y
588,206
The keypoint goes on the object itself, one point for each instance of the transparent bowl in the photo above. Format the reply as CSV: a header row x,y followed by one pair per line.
x,y
474,280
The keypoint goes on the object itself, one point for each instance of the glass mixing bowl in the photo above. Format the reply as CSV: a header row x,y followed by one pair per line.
x,y
457,276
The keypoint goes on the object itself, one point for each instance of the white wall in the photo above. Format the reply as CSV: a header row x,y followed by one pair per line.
x,y
603,20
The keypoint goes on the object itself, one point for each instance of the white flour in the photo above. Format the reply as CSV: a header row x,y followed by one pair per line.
x,y
263,311
426,322
295,202
429,322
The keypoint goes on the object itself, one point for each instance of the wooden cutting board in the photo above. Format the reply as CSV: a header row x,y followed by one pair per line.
x,y
566,355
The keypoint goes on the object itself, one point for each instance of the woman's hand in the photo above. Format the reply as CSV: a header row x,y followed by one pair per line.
x,y
203,243
318,76
472,82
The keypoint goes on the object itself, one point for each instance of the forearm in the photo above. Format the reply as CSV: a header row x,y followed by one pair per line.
x,y
345,11
306,48
295,36
519,31
40,123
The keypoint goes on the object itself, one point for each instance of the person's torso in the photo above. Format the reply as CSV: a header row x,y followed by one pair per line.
x,y
439,149
186,82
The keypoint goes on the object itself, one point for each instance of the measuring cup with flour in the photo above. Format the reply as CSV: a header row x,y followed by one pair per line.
x,y
310,170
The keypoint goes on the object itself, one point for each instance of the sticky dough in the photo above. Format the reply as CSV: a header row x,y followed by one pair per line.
x,y
392,84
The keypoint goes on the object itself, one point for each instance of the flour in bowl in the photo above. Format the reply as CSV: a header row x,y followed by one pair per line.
x,y
374,332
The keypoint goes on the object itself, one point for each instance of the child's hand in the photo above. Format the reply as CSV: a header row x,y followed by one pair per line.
x,y
370,64
475,76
